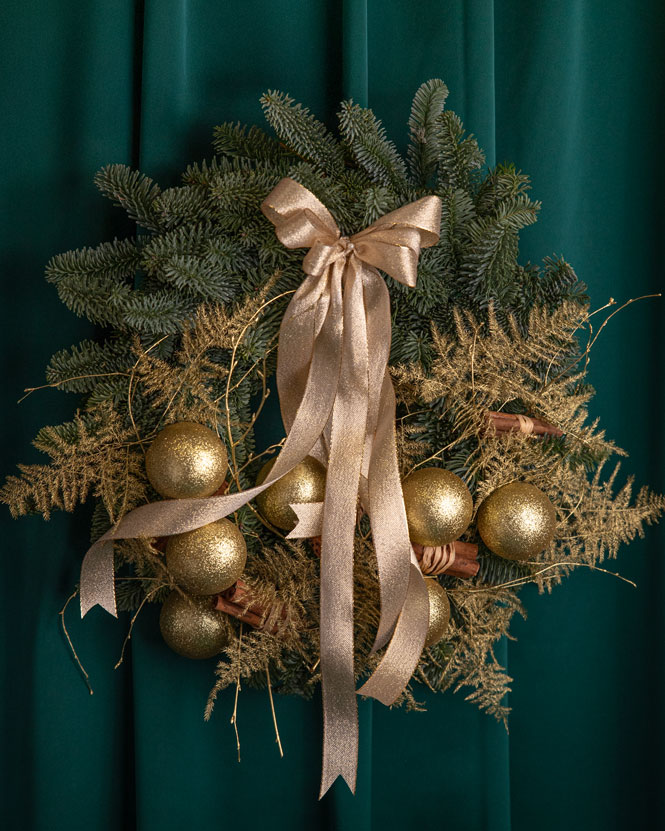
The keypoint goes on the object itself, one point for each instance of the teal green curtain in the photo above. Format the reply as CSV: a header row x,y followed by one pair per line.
x,y
571,91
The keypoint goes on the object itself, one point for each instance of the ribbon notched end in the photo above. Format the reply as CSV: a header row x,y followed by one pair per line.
x,y
310,520
349,778
97,581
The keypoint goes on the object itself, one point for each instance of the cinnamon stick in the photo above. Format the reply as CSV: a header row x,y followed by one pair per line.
x,y
511,423
464,566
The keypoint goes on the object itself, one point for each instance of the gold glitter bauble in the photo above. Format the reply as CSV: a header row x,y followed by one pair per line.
x,y
438,506
305,483
517,521
439,611
207,560
186,460
191,627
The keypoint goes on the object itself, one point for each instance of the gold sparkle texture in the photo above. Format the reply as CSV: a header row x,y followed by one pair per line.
x,y
439,611
192,627
186,460
306,482
438,506
517,521
207,560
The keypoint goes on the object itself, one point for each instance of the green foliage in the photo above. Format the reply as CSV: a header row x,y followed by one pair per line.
x,y
89,366
239,141
133,191
424,130
459,155
302,134
365,137
496,571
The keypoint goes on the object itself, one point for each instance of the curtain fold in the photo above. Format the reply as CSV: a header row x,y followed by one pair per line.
x,y
355,58
572,93
66,96
580,110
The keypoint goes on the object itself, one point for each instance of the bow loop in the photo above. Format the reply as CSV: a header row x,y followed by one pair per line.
x,y
300,219
423,216
394,241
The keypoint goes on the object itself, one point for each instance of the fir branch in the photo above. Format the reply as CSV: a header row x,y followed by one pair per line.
x,y
239,141
424,126
117,260
302,133
459,156
88,366
365,136
133,191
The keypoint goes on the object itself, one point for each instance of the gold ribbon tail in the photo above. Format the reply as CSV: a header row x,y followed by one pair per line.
x,y
176,516
347,440
401,658
310,520
97,587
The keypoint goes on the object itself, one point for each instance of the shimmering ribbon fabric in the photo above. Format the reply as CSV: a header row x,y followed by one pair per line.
x,y
338,404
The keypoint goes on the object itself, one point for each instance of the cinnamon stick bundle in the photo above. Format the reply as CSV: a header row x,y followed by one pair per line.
x,y
237,601
462,562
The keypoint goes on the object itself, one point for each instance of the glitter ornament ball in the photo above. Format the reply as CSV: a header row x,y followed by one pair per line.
x,y
439,612
207,560
438,506
186,460
305,483
191,627
517,521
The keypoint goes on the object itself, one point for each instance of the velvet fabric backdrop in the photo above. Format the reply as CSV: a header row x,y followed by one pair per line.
x,y
572,92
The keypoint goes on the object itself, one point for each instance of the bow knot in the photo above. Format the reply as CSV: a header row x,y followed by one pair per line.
x,y
323,254
345,246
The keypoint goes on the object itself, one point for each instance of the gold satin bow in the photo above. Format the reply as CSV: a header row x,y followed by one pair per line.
x,y
338,404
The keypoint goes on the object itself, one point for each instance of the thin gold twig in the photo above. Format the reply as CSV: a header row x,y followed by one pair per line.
x,y
234,716
410,414
62,611
132,386
270,347
29,390
232,365
133,621
530,578
274,717
434,455
473,359
266,452
593,338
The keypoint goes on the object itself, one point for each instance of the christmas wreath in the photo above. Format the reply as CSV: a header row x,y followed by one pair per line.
x,y
438,452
